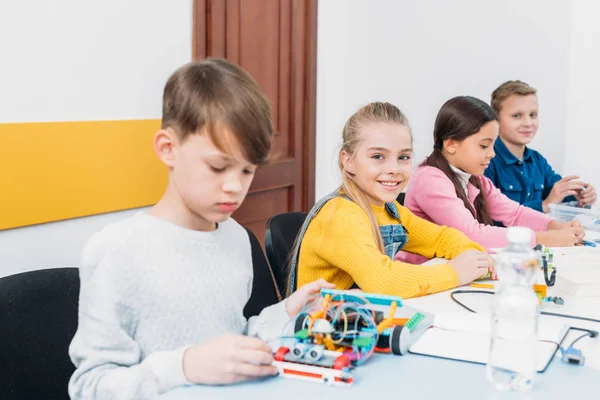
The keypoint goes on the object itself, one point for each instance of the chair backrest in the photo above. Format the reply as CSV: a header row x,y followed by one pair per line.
x,y
264,290
38,319
280,236
400,198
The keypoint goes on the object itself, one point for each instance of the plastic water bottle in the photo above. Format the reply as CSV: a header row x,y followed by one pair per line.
x,y
515,314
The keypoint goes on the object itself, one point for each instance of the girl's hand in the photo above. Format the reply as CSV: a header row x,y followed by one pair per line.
x,y
576,226
472,265
555,225
565,237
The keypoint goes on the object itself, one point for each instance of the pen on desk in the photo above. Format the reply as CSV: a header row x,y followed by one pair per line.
x,y
482,285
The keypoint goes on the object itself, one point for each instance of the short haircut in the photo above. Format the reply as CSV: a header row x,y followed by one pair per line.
x,y
205,96
508,89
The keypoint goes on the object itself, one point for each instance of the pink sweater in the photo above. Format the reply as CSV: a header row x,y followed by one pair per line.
x,y
431,195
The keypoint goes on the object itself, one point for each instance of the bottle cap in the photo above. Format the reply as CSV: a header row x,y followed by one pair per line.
x,y
519,235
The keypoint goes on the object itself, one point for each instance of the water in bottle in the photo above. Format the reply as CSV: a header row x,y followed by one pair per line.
x,y
515,314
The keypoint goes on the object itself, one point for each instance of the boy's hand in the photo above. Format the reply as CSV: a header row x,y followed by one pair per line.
x,y
567,186
587,196
228,359
296,301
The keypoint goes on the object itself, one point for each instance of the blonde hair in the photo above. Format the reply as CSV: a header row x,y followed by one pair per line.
x,y
508,89
376,112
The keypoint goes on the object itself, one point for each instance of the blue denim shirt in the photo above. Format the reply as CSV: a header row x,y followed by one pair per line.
x,y
527,182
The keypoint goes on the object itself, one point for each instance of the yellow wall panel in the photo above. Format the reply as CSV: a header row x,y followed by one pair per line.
x,y
60,170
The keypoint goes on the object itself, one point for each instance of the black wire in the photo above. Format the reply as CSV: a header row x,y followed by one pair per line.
x,y
590,333
466,291
587,334
571,316
549,280
543,312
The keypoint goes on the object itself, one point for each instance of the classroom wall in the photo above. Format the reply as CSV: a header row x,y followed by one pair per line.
x,y
582,139
69,60
418,54
72,60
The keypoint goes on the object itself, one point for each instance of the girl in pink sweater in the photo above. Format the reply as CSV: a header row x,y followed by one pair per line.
x,y
449,188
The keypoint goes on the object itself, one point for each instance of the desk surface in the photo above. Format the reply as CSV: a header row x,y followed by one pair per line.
x,y
421,377
408,377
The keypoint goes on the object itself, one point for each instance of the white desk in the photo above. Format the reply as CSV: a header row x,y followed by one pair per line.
x,y
421,377
408,377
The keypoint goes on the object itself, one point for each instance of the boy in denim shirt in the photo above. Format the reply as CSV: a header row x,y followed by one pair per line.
x,y
521,173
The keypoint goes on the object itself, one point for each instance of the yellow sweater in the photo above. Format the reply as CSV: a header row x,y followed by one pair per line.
x,y
339,246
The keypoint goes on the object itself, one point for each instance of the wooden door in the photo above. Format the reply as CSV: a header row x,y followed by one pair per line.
x,y
275,41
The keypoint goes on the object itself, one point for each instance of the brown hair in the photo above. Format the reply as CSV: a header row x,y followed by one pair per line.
x,y
508,89
459,118
371,113
202,95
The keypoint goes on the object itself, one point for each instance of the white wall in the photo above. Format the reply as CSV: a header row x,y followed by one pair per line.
x,y
583,134
418,54
51,245
73,60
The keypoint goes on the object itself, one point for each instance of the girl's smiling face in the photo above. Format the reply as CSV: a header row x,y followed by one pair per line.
x,y
382,161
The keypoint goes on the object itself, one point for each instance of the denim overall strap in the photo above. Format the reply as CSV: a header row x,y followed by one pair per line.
x,y
392,210
296,251
395,236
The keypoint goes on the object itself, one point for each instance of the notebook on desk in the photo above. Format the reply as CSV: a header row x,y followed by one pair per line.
x,y
578,270
466,337
580,283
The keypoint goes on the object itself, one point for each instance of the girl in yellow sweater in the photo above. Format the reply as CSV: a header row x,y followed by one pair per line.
x,y
351,236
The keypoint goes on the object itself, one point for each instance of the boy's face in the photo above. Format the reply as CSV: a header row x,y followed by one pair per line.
x,y
519,119
211,184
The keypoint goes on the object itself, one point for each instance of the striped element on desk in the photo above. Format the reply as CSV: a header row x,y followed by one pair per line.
x,y
373,298
59,170
414,321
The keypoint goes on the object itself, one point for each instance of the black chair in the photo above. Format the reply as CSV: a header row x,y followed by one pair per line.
x,y
282,230
264,290
38,319
400,198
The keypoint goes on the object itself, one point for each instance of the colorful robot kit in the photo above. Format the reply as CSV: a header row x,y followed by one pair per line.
x,y
339,330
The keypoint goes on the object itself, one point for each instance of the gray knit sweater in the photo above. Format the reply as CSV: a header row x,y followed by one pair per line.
x,y
149,290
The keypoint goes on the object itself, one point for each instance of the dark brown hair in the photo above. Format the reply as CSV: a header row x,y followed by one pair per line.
x,y
508,89
203,96
459,118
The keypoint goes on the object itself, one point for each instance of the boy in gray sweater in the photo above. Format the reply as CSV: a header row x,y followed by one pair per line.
x,y
163,292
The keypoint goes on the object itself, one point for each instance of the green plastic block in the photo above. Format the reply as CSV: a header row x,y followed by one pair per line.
x,y
362,341
414,321
303,334
486,276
